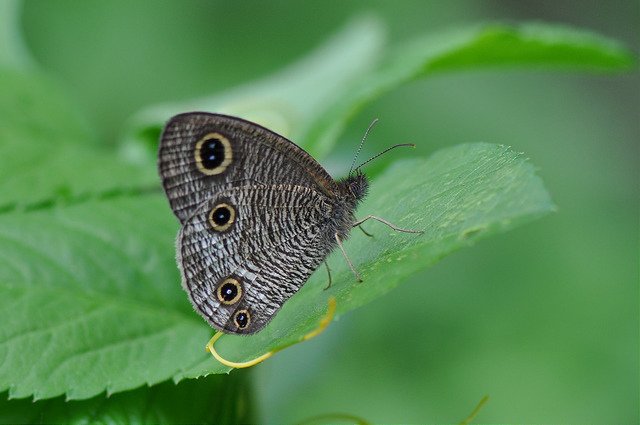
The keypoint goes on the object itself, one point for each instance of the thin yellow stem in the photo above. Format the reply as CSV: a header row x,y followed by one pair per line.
x,y
330,418
475,411
326,320
237,365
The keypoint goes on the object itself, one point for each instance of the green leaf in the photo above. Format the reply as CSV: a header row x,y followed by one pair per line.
x,y
91,300
312,101
456,197
90,297
523,45
218,399
47,153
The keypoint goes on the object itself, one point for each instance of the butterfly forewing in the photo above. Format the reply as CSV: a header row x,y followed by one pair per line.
x,y
202,153
249,248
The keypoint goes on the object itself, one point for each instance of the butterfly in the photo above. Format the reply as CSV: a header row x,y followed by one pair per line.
x,y
258,216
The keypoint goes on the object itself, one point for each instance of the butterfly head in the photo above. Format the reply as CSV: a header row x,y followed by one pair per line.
x,y
355,186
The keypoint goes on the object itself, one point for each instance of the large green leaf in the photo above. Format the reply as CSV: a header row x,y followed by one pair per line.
x,y
456,196
91,300
311,101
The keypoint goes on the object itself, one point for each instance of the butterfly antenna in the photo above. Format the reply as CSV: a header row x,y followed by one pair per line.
x,y
383,152
366,133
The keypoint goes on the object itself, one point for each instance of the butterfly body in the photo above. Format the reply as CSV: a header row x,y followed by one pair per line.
x,y
258,215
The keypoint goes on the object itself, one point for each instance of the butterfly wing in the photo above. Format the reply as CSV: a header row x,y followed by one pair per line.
x,y
248,248
201,153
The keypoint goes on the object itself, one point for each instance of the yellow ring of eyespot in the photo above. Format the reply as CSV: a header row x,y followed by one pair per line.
x,y
235,318
228,154
232,217
235,283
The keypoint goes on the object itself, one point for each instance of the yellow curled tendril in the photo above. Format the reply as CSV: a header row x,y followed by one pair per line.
x,y
475,412
326,320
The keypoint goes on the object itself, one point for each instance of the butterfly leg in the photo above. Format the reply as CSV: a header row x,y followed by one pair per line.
x,y
364,231
329,273
344,253
382,220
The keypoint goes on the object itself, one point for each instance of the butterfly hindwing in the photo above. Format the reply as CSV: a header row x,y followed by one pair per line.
x,y
248,248
202,153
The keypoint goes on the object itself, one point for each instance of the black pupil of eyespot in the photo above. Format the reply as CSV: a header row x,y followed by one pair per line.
x,y
221,216
229,291
211,153
242,319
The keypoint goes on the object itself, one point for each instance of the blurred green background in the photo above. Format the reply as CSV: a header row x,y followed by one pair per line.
x,y
543,319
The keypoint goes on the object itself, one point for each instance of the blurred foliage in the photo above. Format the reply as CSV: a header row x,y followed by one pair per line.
x,y
219,399
545,319
312,100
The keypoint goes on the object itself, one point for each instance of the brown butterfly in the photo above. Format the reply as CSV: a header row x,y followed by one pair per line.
x,y
258,215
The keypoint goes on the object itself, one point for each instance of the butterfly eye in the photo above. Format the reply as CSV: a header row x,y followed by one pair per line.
x,y
229,291
222,217
213,154
242,319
